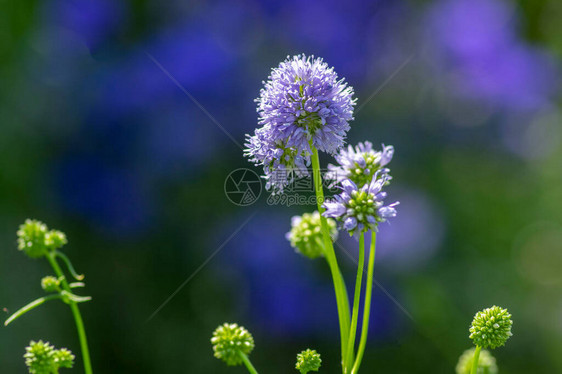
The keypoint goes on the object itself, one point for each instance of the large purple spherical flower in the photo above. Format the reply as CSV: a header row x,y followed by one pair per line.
x,y
303,101
281,164
360,209
360,164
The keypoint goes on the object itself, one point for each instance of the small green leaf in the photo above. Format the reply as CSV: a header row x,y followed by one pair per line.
x,y
32,305
72,297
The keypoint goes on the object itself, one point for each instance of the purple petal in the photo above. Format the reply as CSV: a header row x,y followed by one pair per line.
x,y
333,209
348,186
386,154
350,223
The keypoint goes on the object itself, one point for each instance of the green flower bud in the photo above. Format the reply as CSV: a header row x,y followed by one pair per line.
x,y
491,327
50,284
55,239
306,234
31,238
308,360
64,358
43,358
228,340
39,358
486,362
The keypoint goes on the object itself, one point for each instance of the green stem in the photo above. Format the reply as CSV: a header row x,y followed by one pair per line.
x,y
75,312
356,299
66,260
32,305
475,360
342,299
367,306
248,363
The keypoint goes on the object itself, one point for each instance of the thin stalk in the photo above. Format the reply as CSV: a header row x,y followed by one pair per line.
x,y
66,260
339,284
248,363
367,306
75,312
475,360
356,299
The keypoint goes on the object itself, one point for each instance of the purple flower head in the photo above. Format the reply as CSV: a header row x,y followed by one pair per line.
x,y
281,164
360,209
303,101
360,163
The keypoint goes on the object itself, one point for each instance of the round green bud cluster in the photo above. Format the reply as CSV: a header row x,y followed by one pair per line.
x,y
306,234
35,239
64,358
308,360
50,284
43,358
55,239
486,362
31,238
491,327
229,340
39,358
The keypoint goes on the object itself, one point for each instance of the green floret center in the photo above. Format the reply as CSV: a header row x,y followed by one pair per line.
x,y
358,175
288,156
310,121
362,205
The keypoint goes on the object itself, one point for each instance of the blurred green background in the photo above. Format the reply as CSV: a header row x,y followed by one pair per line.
x,y
96,140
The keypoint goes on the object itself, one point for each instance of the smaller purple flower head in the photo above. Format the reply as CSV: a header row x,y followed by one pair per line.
x,y
304,102
360,164
360,209
281,164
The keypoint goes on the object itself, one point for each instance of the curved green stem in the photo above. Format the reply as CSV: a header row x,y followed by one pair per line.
x,y
475,360
75,312
32,305
339,284
356,299
66,260
367,307
248,363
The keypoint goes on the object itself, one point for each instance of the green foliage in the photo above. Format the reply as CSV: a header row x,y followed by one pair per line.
x,y
491,327
229,340
308,360
486,362
35,239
